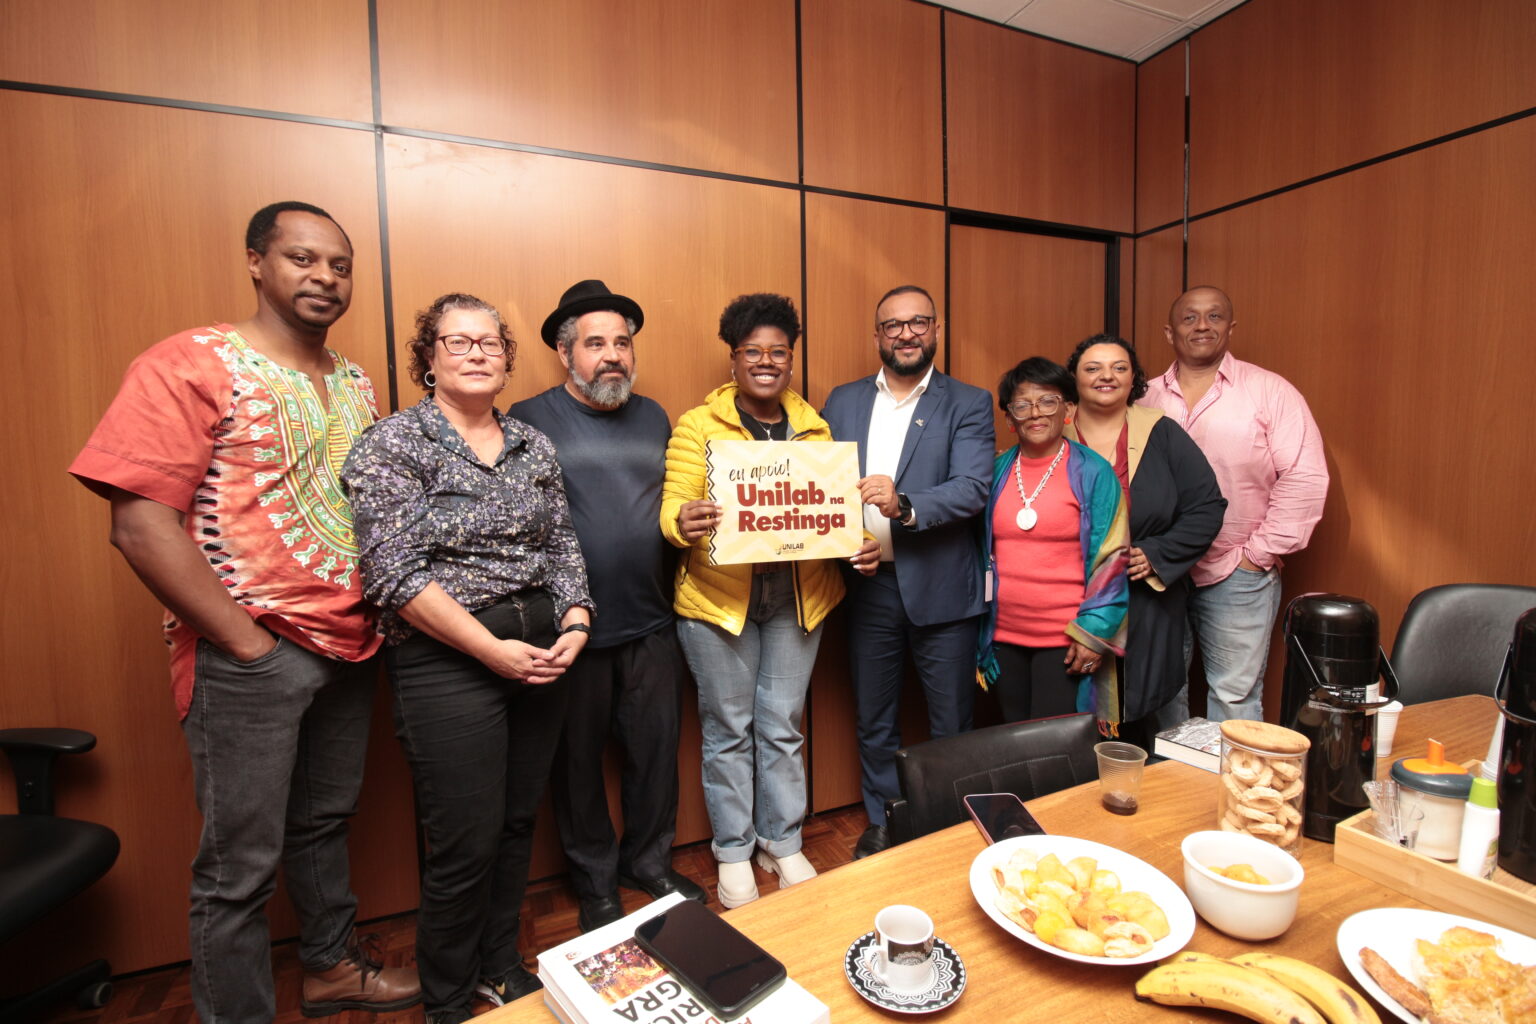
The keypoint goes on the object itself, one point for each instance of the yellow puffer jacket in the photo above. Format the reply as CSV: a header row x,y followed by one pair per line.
x,y
718,594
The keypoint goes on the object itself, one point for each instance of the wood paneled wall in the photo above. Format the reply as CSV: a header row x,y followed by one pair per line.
x,y
1382,291
122,221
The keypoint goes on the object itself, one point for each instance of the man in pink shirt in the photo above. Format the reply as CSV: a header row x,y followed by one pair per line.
x,y
1261,440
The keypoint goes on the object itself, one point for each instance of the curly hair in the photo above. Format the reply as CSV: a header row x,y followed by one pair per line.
x,y
263,226
747,313
425,338
1036,370
1138,375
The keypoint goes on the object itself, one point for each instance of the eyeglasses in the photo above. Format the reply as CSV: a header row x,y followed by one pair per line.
x,y
459,344
1045,406
753,354
918,325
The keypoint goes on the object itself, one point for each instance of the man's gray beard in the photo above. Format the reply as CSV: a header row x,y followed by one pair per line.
x,y
609,394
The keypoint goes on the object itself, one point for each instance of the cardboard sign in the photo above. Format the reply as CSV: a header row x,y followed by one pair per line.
x,y
784,500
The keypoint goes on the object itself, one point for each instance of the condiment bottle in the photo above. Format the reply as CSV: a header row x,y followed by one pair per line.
x,y
1479,851
1263,777
1438,788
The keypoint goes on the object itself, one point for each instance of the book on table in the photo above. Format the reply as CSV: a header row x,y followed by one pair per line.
x,y
604,976
1196,743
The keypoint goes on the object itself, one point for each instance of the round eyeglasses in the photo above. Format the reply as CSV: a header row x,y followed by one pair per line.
x,y
753,354
918,325
1045,406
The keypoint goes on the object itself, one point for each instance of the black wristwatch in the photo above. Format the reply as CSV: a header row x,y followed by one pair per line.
x,y
576,627
904,514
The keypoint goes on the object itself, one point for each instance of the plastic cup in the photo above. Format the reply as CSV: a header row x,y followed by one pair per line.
x,y
1120,766
1386,727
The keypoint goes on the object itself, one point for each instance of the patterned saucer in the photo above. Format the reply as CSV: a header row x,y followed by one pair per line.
x,y
948,978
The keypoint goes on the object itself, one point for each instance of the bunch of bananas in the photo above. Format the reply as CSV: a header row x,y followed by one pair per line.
x,y
1265,987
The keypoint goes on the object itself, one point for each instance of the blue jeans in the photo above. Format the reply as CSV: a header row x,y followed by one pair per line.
x,y
751,697
1232,621
277,749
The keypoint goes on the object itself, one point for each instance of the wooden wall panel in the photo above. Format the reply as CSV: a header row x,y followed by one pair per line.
x,y
286,55
1283,91
1160,139
112,244
1159,281
873,97
1393,298
1018,295
672,81
856,251
518,230
1127,325
1037,128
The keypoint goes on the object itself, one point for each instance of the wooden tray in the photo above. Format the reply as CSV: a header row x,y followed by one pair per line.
x,y
1503,899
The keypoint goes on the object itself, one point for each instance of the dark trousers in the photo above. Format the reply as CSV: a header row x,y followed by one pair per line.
x,y
479,747
277,749
879,637
1032,682
634,691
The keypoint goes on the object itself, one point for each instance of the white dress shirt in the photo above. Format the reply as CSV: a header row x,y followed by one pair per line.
x,y
888,423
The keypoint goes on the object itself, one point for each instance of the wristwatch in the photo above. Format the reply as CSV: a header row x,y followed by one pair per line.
x,y
576,627
904,514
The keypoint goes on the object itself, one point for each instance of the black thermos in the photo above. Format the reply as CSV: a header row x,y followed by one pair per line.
x,y
1333,657
1517,762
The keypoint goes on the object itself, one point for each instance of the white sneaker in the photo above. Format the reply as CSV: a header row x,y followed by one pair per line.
x,y
792,869
738,885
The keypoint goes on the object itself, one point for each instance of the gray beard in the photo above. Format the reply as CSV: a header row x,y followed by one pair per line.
x,y
609,394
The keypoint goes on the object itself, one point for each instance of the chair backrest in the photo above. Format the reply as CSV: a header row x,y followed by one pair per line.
x,y
1453,638
1029,759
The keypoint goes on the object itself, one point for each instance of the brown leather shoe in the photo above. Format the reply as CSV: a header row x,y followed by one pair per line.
x,y
360,981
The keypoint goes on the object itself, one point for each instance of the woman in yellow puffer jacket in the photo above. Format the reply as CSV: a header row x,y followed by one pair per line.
x,y
750,632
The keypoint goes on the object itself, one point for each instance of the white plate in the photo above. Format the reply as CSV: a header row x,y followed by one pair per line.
x,y
1135,875
1391,931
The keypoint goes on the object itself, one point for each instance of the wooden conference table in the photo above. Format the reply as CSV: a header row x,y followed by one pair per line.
x,y
810,926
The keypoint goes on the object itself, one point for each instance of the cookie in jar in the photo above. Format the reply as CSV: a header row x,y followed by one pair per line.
x,y
1263,775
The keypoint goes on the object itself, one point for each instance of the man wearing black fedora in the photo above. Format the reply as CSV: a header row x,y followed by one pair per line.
x,y
627,682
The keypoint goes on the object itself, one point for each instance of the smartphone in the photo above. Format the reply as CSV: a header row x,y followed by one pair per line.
x,y
727,971
1001,816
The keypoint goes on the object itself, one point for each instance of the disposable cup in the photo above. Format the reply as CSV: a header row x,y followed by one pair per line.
x,y
1120,766
1386,727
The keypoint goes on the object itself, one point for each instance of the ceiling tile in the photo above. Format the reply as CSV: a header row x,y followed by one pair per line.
x,y
1100,24
992,10
1182,9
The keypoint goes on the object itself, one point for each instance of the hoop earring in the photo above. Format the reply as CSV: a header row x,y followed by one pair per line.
x,y
429,379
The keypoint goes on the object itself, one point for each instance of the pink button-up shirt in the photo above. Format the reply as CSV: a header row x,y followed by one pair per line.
x,y
1261,440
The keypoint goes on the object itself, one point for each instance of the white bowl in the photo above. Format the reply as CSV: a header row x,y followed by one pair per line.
x,y
1241,909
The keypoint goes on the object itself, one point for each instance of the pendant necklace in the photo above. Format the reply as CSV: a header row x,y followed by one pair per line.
x,y
1028,517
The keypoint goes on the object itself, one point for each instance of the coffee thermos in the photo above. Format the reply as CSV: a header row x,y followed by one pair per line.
x,y
1333,658
1517,761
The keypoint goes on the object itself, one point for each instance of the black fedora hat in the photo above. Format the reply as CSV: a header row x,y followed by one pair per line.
x,y
589,297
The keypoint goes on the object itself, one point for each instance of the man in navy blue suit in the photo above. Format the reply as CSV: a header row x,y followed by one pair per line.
x,y
926,445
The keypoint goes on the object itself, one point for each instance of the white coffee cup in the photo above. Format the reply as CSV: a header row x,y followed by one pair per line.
x,y
1386,728
903,950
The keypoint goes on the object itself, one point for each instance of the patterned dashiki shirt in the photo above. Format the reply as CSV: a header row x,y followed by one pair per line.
x,y
429,511
248,451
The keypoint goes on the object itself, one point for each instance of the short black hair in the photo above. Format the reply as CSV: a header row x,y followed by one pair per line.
x,y
1138,375
746,313
1036,370
905,289
263,225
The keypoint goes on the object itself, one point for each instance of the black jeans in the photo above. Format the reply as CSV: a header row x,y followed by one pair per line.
x,y
633,691
1033,682
480,748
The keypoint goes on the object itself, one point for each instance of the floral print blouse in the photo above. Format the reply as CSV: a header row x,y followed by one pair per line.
x,y
426,509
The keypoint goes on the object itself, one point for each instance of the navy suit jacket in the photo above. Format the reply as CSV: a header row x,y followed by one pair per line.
x,y
946,472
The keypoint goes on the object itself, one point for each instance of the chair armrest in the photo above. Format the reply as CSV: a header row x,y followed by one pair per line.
x,y
32,753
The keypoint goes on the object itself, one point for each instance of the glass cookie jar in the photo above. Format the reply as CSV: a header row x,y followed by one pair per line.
x,y
1263,775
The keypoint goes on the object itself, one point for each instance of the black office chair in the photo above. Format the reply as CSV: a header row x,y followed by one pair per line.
x,y
45,860
1453,638
1029,759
